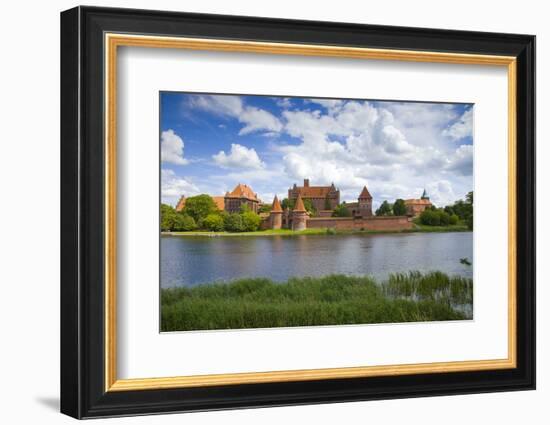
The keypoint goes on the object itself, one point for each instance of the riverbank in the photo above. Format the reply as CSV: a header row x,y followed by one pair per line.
x,y
329,300
418,228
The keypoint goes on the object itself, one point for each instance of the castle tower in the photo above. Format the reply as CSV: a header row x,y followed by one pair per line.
x,y
276,214
425,195
181,203
299,215
365,203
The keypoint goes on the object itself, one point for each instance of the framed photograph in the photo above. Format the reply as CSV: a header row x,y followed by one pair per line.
x,y
261,212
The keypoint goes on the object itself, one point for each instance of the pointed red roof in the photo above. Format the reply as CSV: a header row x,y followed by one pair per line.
x,y
181,204
276,205
243,191
365,194
299,207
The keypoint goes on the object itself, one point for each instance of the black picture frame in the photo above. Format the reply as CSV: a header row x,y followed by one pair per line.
x,y
83,392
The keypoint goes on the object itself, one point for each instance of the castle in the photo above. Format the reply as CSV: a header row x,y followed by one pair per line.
x,y
231,201
322,202
415,207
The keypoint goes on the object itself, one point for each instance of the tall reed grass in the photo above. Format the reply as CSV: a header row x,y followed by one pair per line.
x,y
328,300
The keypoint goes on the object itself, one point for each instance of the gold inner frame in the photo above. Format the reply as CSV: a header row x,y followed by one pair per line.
x,y
113,41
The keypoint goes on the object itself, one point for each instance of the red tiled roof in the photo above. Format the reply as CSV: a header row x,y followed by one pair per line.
x,y
314,191
243,191
299,207
219,201
365,194
276,205
181,204
417,202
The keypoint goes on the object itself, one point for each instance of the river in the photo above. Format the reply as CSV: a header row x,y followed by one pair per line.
x,y
195,260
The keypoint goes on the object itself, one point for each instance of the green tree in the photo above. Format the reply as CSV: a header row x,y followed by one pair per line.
x,y
453,219
444,218
308,205
167,217
265,208
213,222
250,221
233,222
184,223
384,209
341,210
470,198
399,207
199,207
287,203
430,217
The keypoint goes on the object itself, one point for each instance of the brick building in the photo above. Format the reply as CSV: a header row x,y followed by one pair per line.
x,y
416,206
241,195
321,197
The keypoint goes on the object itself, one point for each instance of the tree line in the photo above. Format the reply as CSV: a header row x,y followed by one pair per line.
x,y
460,212
201,213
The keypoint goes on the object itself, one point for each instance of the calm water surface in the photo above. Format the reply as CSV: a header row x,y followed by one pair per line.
x,y
190,260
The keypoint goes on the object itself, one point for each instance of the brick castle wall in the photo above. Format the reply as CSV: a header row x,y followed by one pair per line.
x,y
371,223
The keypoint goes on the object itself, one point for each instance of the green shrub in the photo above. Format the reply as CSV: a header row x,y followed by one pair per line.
x,y
251,221
444,218
233,223
213,222
430,217
453,219
184,223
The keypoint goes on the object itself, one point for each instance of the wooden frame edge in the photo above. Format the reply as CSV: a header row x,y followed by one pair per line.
x,y
114,40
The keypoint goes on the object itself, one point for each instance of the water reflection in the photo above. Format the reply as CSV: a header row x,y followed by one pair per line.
x,y
189,261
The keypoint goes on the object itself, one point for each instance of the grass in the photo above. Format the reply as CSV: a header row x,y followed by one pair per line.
x,y
418,228
450,228
329,300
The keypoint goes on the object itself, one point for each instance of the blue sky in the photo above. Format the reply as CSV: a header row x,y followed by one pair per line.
x,y
210,143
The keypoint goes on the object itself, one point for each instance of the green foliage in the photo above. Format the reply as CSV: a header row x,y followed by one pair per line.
x,y
233,222
470,222
453,219
308,205
173,221
184,223
250,221
341,211
444,218
430,217
265,208
328,300
399,207
213,222
167,217
384,209
470,198
287,203
199,207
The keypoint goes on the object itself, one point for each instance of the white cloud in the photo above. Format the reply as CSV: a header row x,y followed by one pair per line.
x,y
174,186
441,193
462,128
462,162
239,157
257,119
171,148
253,119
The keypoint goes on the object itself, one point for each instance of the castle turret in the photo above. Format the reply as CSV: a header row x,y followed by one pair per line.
x,y
299,215
425,195
276,214
181,204
365,203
